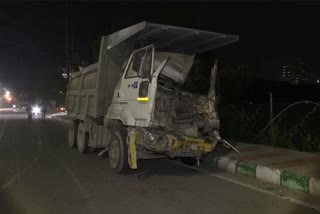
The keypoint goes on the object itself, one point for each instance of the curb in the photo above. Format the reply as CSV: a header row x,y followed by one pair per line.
x,y
294,181
227,164
246,169
314,186
267,174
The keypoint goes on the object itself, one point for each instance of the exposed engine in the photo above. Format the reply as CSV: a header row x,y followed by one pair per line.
x,y
184,112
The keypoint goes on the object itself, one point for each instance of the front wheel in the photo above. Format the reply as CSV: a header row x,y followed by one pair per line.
x,y
118,150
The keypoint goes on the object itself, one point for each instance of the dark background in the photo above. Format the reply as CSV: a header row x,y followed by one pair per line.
x,y
33,36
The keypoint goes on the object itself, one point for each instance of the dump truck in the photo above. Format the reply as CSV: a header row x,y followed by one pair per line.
x,y
132,105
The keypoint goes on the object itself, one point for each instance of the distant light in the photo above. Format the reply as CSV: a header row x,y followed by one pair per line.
x,y
318,81
65,76
14,106
7,93
36,110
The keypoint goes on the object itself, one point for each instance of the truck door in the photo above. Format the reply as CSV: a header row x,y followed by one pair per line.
x,y
135,84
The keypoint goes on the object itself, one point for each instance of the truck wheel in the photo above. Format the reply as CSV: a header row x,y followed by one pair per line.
x,y
72,134
118,150
82,139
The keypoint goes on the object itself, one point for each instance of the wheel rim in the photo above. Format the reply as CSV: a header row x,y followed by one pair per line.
x,y
114,153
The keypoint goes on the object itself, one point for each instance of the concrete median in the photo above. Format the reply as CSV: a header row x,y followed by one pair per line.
x,y
291,169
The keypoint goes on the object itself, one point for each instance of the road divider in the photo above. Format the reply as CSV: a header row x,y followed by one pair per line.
x,y
268,174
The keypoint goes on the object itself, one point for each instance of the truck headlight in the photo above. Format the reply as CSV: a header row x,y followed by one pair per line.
x,y
150,137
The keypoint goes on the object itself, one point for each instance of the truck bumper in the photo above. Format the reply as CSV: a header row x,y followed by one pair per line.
x,y
159,144
185,146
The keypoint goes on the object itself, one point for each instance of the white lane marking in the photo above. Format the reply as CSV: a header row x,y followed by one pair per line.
x,y
2,130
294,200
9,182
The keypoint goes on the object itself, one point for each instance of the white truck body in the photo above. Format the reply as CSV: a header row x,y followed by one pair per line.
x,y
135,85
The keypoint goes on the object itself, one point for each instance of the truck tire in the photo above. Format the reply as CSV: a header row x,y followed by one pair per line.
x,y
118,150
82,139
72,135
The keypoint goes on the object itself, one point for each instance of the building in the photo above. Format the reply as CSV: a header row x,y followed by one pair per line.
x,y
294,71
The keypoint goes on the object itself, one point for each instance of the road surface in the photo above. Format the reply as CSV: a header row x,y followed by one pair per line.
x,y
39,174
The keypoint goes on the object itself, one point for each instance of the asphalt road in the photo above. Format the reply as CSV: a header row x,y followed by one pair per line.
x,y
39,174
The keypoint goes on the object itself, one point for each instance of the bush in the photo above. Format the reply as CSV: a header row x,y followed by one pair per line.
x,y
295,129
240,123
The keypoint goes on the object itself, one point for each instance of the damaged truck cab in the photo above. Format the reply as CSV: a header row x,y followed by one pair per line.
x,y
132,103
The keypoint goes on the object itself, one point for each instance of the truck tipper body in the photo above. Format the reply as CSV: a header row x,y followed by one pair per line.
x,y
131,103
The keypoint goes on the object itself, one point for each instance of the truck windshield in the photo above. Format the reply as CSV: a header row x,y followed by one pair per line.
x,y
140,64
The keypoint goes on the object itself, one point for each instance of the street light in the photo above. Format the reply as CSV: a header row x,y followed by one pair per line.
x,y
7,96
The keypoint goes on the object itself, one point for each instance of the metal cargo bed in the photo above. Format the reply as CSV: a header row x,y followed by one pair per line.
x,y
81,97
170,38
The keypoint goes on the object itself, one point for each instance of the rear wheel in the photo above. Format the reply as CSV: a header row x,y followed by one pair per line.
x,y
72,134
118,150
82,139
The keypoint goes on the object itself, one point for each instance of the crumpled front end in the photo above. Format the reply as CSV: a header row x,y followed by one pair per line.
x,y
144,143
192,115
158,142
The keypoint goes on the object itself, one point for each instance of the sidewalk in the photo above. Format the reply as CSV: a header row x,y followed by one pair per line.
x,y
292,169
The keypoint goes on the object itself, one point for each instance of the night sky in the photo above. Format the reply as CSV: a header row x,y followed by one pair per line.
x,y
33,34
